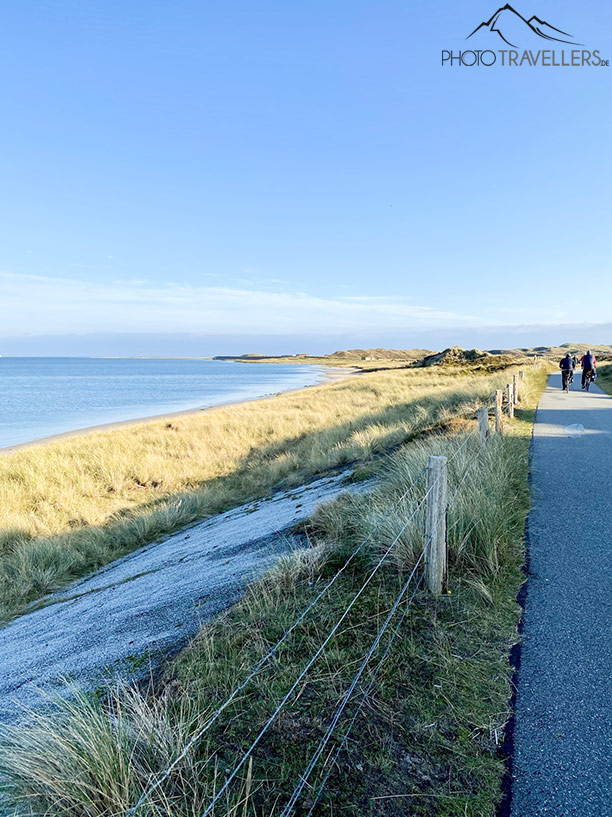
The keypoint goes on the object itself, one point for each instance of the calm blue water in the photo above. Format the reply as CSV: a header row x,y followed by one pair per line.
x,y
44,396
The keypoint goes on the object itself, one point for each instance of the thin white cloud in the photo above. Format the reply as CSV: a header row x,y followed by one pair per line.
x,y
37,305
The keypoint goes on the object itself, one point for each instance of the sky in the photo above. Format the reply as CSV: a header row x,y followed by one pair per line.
x,y
228,177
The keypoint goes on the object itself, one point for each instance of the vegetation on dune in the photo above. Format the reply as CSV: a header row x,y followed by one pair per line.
x,y
477,360
427,741
381,354
74,505
604,377
372,360
603,351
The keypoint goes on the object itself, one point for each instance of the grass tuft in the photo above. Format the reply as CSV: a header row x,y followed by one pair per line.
x,y
108,748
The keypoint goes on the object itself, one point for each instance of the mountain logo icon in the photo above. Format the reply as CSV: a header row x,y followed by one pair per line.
x,y
513,28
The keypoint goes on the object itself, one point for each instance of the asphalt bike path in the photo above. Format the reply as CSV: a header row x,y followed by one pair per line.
x,y
562,762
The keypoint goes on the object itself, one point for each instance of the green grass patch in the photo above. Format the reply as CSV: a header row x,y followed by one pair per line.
x,y
604,377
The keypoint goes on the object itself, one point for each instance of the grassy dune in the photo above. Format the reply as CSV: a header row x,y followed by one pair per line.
x,y
604,377
428,739
74,505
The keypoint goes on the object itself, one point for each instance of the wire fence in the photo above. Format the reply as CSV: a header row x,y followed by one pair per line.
x,y
197,737
364,697
311,662
347,696
452,452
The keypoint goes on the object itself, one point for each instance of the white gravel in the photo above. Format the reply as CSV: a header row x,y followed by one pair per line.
x,y
125,617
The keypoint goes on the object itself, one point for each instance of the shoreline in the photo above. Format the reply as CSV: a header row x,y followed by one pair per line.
x,y
330,375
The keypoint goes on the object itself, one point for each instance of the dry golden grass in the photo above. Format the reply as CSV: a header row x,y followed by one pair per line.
x,y
74,505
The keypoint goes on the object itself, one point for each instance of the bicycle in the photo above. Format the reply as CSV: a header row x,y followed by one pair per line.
x,y
567,378
589,377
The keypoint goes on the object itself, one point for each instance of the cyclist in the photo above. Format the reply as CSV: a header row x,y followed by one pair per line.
x,y
567,370
589,367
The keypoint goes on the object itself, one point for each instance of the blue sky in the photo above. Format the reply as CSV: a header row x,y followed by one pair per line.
x,y
199,177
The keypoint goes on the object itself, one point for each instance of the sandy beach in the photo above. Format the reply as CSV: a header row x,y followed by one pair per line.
x,y
331,375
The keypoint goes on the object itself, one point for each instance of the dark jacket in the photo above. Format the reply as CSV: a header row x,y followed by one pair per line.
x,y
567,364
588,362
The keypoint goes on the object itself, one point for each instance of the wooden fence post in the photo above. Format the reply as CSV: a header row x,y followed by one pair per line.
x,y
435,524
515,389
510,396
499,417
483,426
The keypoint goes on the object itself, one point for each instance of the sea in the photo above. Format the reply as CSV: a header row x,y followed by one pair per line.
x,y
43,396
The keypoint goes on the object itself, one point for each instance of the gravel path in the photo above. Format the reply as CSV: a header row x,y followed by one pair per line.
x,y
125,617
563,731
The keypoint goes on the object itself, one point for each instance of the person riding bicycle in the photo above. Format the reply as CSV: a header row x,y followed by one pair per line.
x,y
567,369
589,367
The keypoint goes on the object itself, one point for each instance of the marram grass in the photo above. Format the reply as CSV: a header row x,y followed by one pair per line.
x,y
72,506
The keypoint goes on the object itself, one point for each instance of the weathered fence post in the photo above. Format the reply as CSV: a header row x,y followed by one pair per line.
x,y
521,375
483,426
435,524
515,389
510,397
499,417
